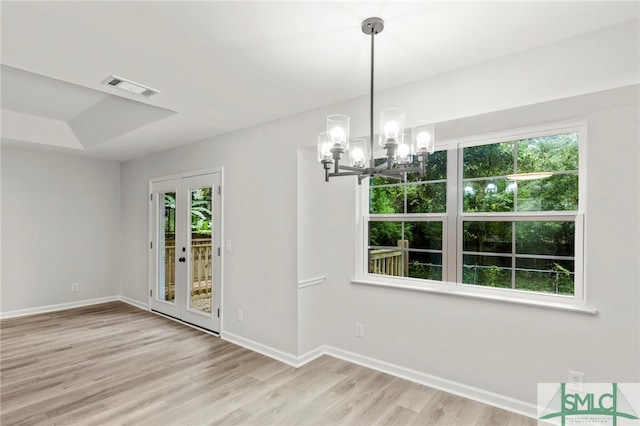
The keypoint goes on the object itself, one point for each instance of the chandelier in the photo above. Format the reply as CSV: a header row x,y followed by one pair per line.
x,y
402,146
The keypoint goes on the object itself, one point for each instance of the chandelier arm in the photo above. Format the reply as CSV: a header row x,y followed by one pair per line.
x,y
423,163
409,170
382,170
378,171
382,166
345,174
398,176
353,169
327,166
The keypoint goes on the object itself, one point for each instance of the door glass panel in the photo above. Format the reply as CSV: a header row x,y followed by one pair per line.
x,y
201,250
167,247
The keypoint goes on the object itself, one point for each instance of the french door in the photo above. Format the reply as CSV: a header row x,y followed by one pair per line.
x,y
185,261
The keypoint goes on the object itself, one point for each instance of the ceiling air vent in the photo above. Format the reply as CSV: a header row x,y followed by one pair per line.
x,y
130,86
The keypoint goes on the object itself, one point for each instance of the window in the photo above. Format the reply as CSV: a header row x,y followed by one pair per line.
x,y
498,214
406,222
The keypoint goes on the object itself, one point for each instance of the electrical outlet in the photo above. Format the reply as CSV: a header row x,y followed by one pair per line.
x,y
74,287
359,330
575,381
239,316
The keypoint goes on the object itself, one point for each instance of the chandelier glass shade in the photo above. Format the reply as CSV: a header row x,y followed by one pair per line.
x,y
402,146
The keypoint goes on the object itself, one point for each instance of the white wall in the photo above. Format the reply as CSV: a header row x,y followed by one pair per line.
x,y
61,225
497,347
259,220
61,215
312,220
504,348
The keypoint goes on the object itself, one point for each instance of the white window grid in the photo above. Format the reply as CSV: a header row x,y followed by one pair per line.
x,y
452,258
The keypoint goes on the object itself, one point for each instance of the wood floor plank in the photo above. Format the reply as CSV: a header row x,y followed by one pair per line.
x,y
236,417
374,404
396,415
416,396
445,409
518,420
493,416
311,381
114,364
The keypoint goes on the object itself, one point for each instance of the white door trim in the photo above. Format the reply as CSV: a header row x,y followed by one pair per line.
x,y
151,262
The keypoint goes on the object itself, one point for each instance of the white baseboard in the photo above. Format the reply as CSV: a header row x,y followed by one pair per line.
x,y
134,302
276,354
461,389
58,307
311,355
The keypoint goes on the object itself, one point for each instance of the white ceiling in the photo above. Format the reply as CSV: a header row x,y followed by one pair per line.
x,y
222,66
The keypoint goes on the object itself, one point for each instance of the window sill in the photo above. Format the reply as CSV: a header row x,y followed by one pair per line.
x,y
461,292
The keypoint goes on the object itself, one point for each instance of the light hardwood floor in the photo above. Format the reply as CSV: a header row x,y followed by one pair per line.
x,y
115,364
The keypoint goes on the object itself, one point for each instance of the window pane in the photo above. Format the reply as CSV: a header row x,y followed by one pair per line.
x,y
555,193
492,237
491,271
383,234
495,195
386,199
201,249
546,238
548,153
545,275
423,235
427,266
427,198
488,160
167,247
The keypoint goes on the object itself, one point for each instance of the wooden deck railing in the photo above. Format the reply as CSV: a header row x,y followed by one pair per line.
x,y
390,261
201,268
169,272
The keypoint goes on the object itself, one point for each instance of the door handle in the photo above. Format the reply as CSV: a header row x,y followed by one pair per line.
x,y
182,259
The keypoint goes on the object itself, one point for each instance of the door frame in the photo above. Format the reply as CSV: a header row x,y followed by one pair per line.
x,y
151,261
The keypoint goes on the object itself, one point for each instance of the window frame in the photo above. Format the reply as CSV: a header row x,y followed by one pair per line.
x,y
454,217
